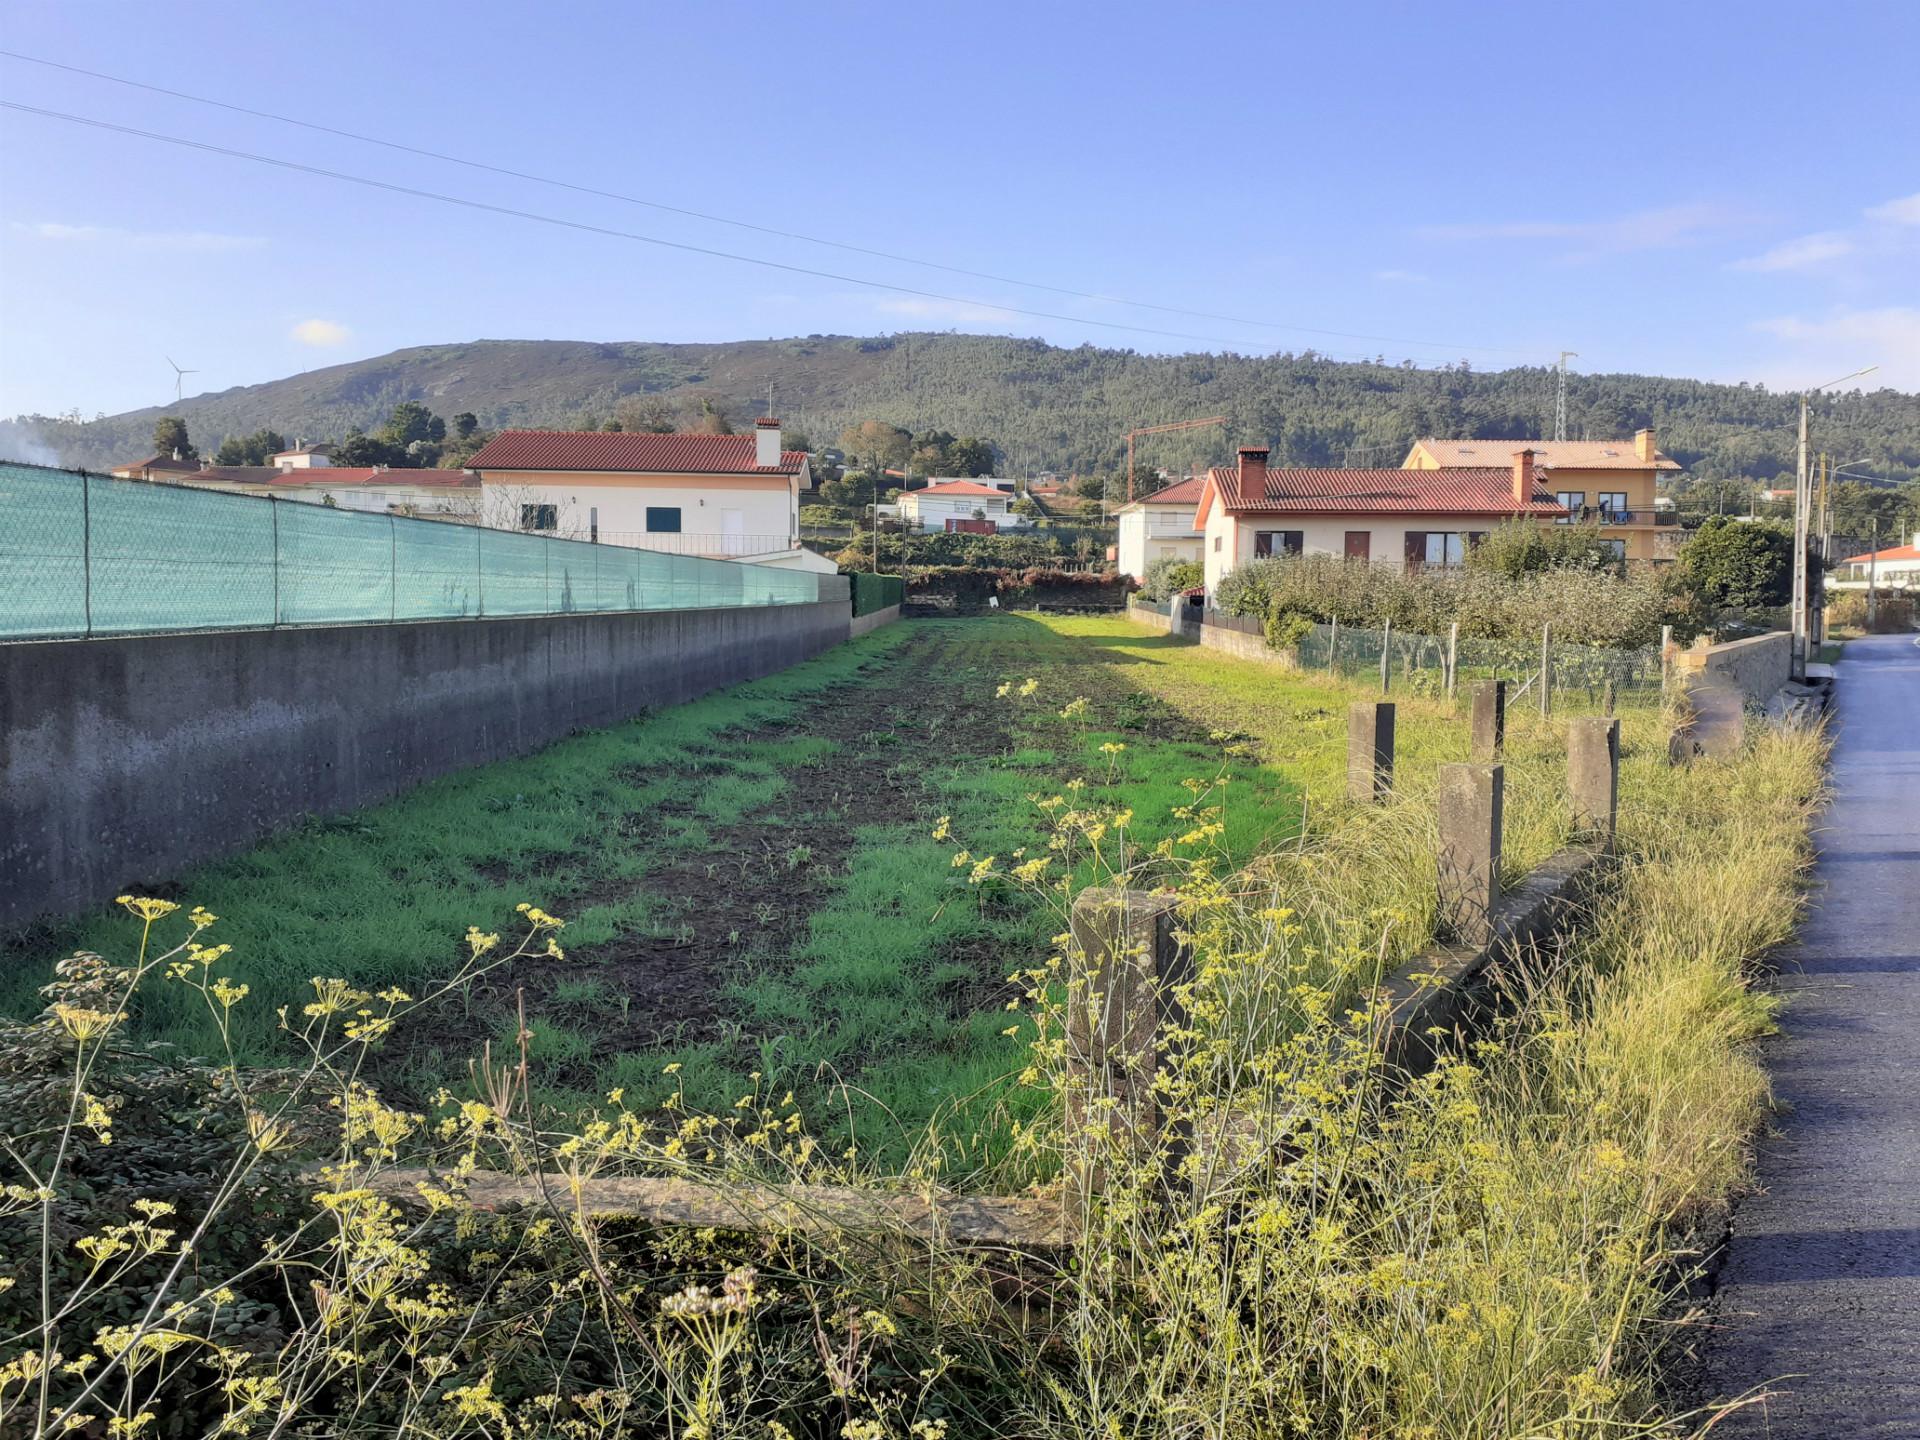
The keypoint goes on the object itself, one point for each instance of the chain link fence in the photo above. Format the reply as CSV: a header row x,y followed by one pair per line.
x,y
83,554
1573,676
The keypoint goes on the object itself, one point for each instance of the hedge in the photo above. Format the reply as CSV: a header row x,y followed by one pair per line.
x,y
875,592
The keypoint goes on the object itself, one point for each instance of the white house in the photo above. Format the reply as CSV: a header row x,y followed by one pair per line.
x,y
734,497
1159,526
934,508
1897,568
1382,517
304,457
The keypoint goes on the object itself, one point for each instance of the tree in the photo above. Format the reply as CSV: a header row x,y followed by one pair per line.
x,y
258,448
795,440
969,456
1523,547
465,423
713,418
1738,565
170,439
646,415
882,445
412,421
366,451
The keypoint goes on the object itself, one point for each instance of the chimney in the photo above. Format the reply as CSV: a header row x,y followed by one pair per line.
x,y
1522,477
1253,473
1643,445
766,443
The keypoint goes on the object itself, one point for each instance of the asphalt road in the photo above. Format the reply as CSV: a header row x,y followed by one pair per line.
x,y
1819,1299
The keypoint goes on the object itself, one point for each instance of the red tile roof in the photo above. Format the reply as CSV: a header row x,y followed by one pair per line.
x,y
1479,491
162,462
1899,552
335,476
959,489
627,451
1181,492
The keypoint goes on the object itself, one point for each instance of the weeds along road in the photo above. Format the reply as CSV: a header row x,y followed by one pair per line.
x,y
1820,1294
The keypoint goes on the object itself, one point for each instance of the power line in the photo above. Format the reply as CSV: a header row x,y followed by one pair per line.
x,y
737,223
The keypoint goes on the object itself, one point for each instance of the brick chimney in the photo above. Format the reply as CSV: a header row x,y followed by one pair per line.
x,y
1253,473
1643,446
766,442
1522,477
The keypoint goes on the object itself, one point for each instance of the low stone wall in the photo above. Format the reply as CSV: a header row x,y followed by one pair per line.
x,y
1218,637
124,760
1756,667
867,624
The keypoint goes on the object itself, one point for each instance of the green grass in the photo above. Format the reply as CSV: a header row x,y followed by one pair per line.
x,y
832,947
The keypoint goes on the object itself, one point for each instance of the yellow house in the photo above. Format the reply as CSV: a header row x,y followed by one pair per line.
x,y
1611,482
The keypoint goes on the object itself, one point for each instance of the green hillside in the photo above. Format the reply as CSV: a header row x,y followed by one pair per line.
x,y
1048,408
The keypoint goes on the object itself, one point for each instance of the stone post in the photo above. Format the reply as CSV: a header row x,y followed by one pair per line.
x,y
1369,750
1121,1002
1489,721
1470,802
1546,668
1593,777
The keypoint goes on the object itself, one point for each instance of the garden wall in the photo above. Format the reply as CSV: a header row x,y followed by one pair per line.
x,y
1242,643
1756,667
124,760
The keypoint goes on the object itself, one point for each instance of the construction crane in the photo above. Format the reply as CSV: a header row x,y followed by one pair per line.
x,y
1162,430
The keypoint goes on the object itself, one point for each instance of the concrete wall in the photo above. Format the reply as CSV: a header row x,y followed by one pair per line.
x,y
1755,667
125,760
867,624
1233,642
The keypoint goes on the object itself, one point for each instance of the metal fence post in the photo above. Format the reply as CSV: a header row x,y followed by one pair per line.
x,y
393,570
86,548
1453,658
1333,648
1666,659
1386,662
479,577
1546,668
273,511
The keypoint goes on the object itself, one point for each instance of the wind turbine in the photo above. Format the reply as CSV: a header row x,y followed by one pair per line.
x,y
179,376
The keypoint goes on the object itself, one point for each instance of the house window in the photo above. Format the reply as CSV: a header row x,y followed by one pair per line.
x,y
1216,544
1438,548
1613,506
539,517
663,519
1574,500
1278,542
1617,547
1359,544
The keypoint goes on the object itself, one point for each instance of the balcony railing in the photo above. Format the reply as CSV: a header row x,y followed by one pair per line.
x,y
1606,515
693,542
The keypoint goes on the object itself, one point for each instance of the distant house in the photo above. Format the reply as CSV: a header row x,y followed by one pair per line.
x,y
734,497
955,504
1404,517
1160,526
304,457
1613,482
430,494
1896,568
156,467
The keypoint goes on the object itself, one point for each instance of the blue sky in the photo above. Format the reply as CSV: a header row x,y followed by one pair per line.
x,y
1723,190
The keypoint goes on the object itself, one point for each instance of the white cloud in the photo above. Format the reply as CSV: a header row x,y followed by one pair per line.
x,y
1637,230
321,333
1904,211
1844,340
203,242
1800,253
1401,277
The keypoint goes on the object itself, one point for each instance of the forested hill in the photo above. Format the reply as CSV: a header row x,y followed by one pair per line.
x,y
1047,408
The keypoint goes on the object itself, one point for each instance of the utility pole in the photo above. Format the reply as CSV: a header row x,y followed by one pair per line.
x,y
1802,503
1873,573
1560,401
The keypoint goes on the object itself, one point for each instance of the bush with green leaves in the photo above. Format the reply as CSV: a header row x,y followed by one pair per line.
x,y
1170,575
1521,547
1732,564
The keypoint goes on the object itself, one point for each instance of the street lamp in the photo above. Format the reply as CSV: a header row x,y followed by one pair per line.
x,y
1802,504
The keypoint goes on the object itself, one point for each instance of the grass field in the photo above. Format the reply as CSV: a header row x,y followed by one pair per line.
x,y
750,882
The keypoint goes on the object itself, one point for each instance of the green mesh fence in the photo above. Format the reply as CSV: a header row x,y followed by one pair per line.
x,y
876,592
83,554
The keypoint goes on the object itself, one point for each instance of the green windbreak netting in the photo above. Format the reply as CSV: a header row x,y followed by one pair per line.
x,y
83,554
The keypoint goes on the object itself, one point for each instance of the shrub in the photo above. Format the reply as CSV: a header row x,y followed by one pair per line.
x,y
1170,575
1730,564
1521,547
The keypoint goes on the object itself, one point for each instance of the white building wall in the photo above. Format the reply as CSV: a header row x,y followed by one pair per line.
x,y
1152,531
933,512
742,515
1326,535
